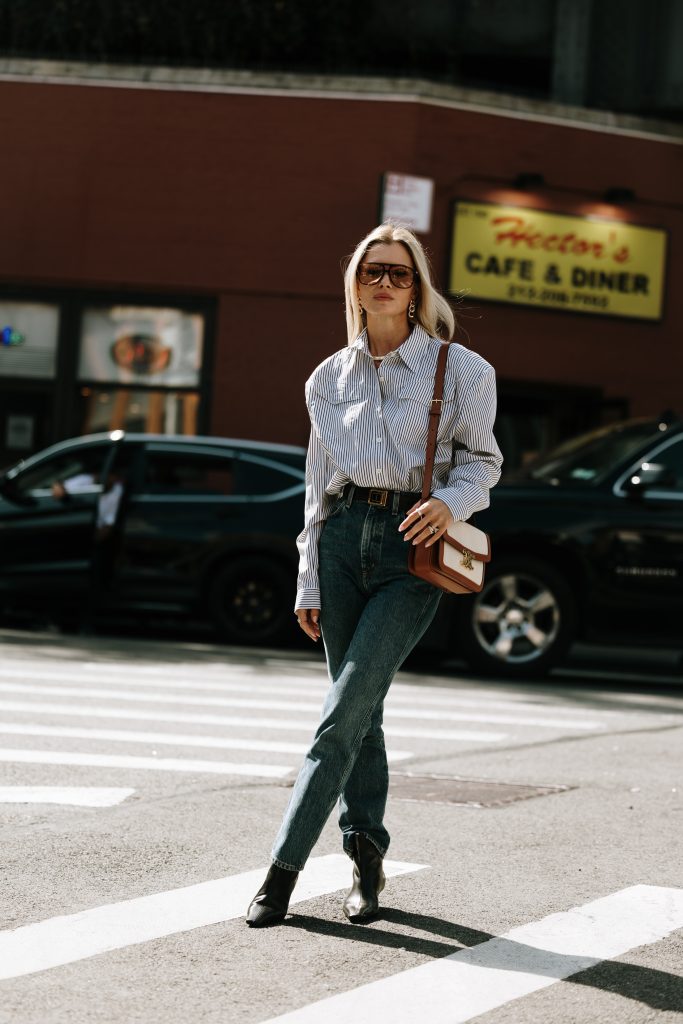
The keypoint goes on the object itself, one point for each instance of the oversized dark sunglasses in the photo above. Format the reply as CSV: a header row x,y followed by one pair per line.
x,y
399,275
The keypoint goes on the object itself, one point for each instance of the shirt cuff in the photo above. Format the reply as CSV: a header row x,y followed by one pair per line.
x,y
457,506
307,597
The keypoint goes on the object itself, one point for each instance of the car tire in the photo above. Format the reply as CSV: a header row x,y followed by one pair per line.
x,y
250,601
523,621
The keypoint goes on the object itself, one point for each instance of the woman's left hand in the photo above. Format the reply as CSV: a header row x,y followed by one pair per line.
x,y
426,521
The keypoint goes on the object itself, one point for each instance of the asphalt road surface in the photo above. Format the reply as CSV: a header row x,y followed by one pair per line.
x,y
535,871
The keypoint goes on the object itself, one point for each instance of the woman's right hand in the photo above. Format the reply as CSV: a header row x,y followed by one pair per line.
x,y
309,619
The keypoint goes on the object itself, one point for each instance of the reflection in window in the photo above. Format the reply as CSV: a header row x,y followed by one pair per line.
x,y
671,458
587,458
143,411
256,476
179,473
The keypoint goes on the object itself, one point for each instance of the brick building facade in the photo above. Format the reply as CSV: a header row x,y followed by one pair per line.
x,y
232,198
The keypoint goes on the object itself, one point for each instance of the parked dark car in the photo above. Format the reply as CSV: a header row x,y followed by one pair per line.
x,y
587,541
587,544
203,526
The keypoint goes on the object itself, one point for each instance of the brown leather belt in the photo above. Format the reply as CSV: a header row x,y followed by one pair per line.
x,y
382,498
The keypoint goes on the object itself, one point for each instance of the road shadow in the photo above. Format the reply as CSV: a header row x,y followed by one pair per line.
x,y
653,988
620,691
102,646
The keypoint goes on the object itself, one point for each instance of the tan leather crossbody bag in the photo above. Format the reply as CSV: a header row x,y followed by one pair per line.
x,y
456,562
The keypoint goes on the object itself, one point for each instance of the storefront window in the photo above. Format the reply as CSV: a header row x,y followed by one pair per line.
x,y
139,369
141,411
28,339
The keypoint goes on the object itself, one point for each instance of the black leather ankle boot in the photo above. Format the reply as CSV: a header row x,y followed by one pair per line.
x,y
362,902
271,902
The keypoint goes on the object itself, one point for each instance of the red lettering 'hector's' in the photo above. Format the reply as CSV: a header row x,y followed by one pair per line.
x,y
522,231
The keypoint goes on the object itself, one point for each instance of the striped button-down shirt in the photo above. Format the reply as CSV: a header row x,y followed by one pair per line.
x,y
369,427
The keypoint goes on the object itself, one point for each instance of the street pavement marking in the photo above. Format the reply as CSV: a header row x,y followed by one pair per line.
x,y
128,675
246,679
477,980
155,764
170,739
292,705
77,796
64,940
285,724
135,676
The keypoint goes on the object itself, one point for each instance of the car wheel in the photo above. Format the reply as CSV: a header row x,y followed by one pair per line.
x,y
521,623
250,601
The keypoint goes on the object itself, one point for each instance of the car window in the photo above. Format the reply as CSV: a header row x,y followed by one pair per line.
x,y
260,476
671,458
587,459
189,473
78,471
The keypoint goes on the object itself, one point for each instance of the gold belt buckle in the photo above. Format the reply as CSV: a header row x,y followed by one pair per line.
x,y
377,497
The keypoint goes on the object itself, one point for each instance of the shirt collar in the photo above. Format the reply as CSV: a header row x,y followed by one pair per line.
x,y
413,351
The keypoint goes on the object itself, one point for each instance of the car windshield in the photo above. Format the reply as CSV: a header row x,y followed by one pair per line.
x,y
586,459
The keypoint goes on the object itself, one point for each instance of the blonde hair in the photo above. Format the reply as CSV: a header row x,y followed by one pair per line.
x,y
432,311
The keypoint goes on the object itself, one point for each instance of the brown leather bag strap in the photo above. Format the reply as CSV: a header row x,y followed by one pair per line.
x,y
434,417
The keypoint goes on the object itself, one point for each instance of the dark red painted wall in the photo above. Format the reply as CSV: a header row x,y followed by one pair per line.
x,y
255,199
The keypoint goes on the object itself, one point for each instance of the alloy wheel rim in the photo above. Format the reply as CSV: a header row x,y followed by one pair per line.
x,y
516,618
251,604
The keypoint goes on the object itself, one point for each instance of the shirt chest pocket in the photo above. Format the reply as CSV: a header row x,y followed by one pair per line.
x,y
335,413
414,405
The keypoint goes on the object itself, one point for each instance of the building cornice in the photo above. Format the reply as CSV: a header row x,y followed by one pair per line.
x,y
339,87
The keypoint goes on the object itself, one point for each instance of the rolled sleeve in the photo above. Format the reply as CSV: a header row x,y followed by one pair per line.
x,y
477,459
319,471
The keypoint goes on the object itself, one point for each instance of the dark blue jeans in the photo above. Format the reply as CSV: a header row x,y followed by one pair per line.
x,y
373,613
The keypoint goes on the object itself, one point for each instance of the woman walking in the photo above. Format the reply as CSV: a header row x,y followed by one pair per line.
x,y
369,408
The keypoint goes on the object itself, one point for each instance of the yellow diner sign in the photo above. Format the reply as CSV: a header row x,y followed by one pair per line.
x,y
582,264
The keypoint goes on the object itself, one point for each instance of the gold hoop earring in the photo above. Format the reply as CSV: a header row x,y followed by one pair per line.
x,y
360,311
411,308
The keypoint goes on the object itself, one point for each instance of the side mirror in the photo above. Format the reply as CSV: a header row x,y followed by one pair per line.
x,y
648,474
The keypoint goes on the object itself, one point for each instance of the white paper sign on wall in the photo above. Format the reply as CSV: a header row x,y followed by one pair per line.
x,y
407,199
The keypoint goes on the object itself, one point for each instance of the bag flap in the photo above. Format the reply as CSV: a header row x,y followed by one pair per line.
x,y
466,537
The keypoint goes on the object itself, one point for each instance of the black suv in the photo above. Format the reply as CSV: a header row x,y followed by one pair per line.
x,y
197,525
587,544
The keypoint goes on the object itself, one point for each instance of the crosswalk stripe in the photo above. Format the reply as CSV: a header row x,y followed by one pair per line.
x,y
242,679
272,676
475,981
284,724
293,705
77,796
246,678
289,685
157,764
64,940
169,739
